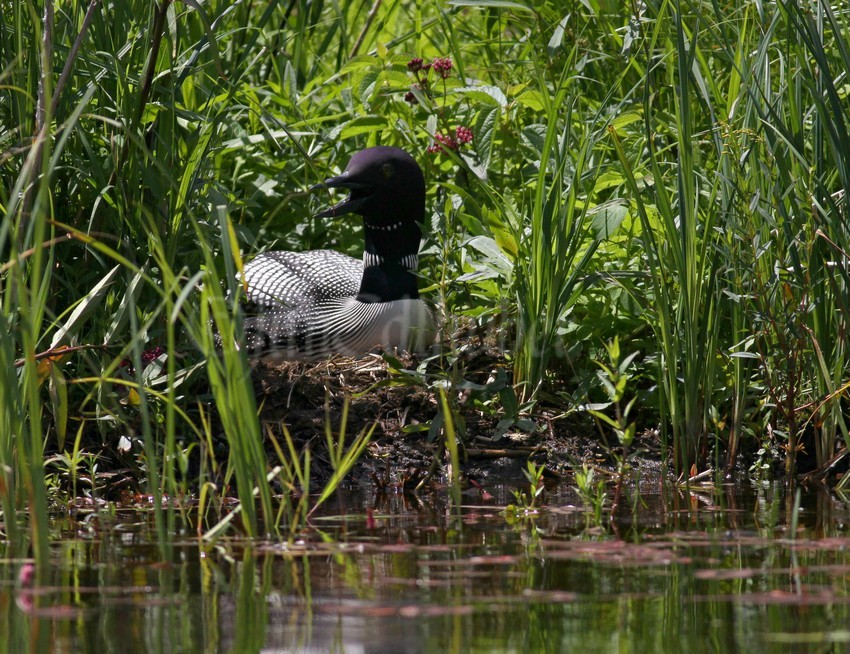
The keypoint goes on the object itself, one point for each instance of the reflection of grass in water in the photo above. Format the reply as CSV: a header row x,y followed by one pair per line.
x,y
416,567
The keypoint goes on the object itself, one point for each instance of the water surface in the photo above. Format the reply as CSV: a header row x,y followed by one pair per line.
x,y
719,570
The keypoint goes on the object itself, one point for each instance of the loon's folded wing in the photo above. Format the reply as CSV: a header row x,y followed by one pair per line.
x,y
283,279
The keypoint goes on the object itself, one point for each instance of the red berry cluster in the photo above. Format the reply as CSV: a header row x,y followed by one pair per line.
x,y
442,142
464,134
410,97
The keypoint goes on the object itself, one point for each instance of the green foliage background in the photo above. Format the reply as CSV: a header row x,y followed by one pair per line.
x,y
672,174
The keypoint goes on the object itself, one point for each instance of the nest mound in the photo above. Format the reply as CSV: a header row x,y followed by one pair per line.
x,y
307,399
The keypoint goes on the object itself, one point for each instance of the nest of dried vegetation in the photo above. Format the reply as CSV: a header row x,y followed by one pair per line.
x,y
404,451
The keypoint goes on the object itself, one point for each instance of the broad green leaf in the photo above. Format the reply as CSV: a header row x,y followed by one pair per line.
x,y
485,133
361,62
121,316
535,136
531,99
365,125
489,94
493,254
744,355
626,119
607,217
557,39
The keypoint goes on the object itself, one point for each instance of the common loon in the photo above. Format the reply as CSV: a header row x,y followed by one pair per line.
x,y
310,305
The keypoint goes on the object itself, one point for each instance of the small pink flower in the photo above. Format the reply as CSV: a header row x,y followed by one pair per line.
x,y
150,355
442,142
443,65
147,356
414,65
26,576
463,134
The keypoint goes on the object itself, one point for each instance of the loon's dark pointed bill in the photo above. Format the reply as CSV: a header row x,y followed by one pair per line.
x,y
351,204
337,181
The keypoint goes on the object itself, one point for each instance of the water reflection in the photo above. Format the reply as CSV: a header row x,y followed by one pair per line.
x,y
701,571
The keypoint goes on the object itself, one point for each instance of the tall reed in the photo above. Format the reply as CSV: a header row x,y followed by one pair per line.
x,y
819,41
746,248
678,234
553,232
26,282
100,153
785,276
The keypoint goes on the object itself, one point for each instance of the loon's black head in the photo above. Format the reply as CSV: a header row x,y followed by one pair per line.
x,y
386,187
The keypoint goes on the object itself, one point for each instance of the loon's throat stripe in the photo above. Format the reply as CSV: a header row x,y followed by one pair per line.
x,y
408,261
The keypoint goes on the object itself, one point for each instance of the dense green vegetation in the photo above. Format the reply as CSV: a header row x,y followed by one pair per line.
x,y
654,196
